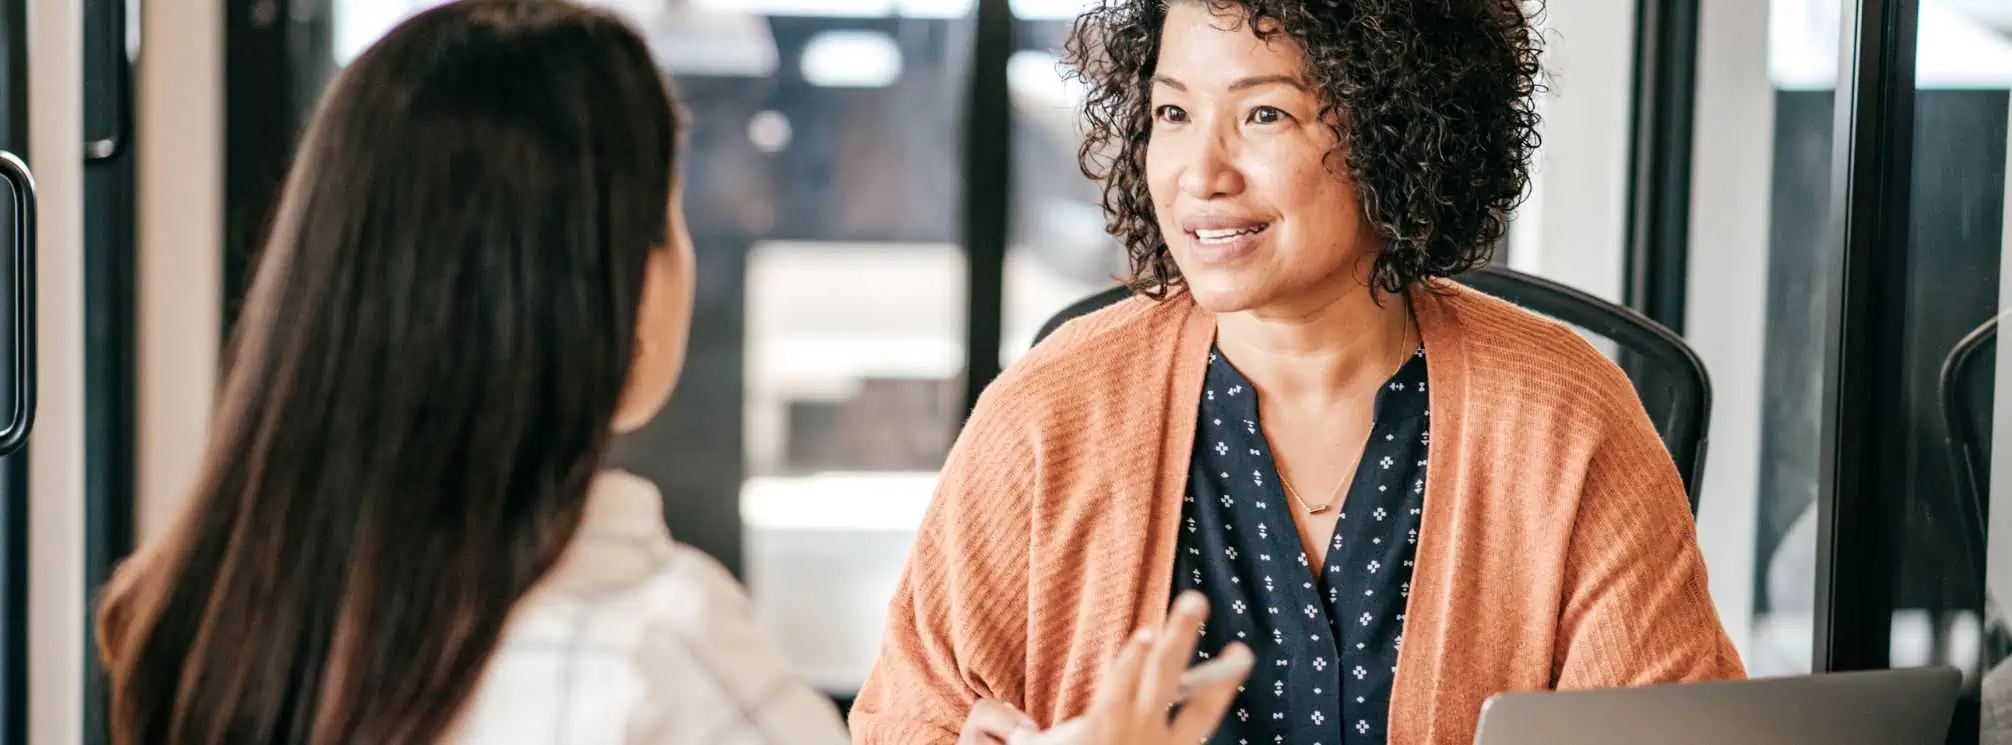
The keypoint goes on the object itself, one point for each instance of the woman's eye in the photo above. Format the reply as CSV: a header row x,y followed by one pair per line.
x,y
1170,114
1266,115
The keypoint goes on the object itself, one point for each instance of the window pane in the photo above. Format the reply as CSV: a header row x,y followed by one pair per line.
x,y
1756,310
1945,611
824,384
1059,252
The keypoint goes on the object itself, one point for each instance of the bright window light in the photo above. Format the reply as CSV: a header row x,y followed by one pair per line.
x,y
851,59
1957,47
855,501
1026,10
359,23
719,42
1040,76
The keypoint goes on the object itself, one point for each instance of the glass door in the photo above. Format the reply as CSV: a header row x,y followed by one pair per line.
x,y
1920,527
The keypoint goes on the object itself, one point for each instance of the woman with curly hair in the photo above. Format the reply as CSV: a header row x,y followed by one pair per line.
x,y
1403,495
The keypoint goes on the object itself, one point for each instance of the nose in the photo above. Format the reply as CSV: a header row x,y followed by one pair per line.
x,y
1209,171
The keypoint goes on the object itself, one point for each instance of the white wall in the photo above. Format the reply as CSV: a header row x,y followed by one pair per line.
x,y
1726,312
56,600
179,100
1573,228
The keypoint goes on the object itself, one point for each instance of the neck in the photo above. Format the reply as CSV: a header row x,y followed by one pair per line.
x,y
1321,352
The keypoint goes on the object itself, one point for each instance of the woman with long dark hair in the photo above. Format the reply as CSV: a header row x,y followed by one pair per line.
x,y
403,532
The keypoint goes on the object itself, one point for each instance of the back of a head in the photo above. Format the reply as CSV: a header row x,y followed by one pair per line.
x,y
420,386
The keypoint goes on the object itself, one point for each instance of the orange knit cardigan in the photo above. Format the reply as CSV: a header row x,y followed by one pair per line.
x,y
1557,549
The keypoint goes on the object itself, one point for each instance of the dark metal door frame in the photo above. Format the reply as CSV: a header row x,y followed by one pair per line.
x,y
1659,159
14,468
1863,483
110,398
988,195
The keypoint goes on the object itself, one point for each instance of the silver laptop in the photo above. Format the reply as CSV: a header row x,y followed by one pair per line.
x,y
1883,707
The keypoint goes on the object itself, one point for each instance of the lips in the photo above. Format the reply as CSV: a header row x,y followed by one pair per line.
x,y
1225,235
1221,225
1221,240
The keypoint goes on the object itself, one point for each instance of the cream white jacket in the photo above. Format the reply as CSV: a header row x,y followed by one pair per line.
x,y
635,639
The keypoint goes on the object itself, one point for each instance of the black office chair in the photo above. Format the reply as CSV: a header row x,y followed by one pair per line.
x,y
1667,375
1966,390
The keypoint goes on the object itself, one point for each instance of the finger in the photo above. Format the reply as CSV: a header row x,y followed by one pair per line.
x,y
975,737
1020,718
1021,722
1204,710
1120,684
1176,647
994,721
1060,734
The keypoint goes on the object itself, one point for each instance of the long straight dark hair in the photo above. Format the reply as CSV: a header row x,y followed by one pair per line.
x,y
419,391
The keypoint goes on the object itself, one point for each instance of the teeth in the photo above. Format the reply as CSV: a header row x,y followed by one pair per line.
x,y
1222,235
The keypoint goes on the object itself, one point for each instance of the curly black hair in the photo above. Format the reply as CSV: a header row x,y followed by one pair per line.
x,y
1437,97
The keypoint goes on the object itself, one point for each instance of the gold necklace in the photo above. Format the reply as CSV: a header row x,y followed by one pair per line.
x,y
1335,496
1312,509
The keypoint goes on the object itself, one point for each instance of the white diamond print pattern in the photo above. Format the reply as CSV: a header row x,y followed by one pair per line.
x,y
1345,642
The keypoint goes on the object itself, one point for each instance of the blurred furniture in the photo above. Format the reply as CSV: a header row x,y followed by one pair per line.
x,y
1966,390
1667,375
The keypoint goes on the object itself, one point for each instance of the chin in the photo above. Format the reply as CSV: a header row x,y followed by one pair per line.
x,y
1219,293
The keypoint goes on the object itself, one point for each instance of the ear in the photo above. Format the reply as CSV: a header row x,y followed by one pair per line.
x,y
663,320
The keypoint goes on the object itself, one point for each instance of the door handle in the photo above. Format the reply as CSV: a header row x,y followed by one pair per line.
x,y
17,306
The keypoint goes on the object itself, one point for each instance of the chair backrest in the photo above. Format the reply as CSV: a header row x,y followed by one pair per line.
x,y
1667,375
1968,380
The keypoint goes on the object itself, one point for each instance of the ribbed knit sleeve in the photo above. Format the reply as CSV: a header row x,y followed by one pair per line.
x,y
1637,608
957,625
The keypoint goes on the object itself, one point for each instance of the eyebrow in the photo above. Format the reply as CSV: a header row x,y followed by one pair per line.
x,y
1240,84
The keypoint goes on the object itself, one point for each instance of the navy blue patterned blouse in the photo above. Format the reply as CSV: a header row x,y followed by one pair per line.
x,y
1326,642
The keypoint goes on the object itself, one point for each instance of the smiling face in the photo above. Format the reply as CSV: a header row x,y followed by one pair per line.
x,y
1254,209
